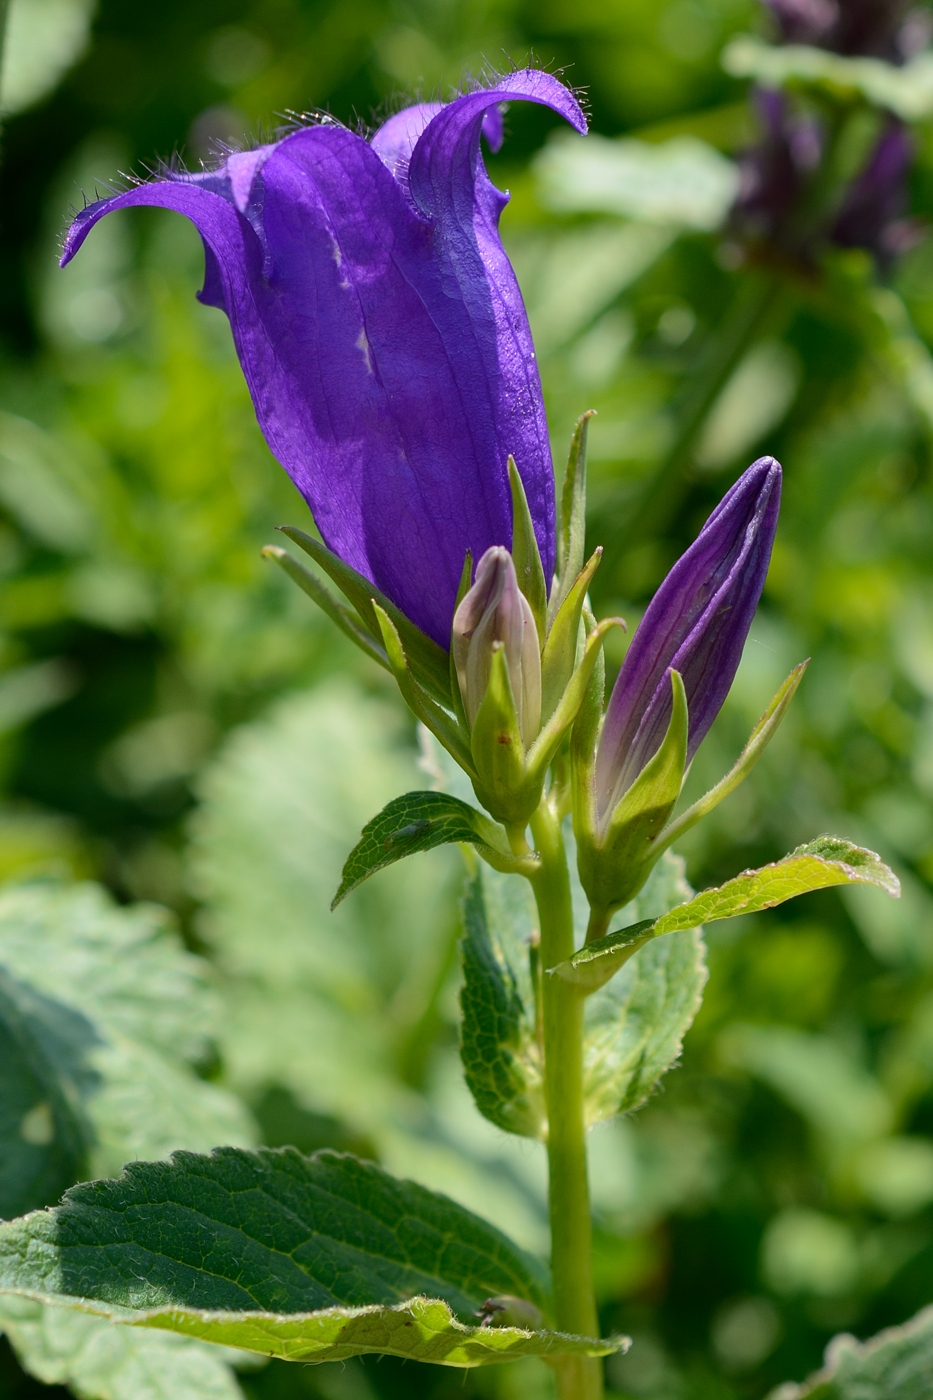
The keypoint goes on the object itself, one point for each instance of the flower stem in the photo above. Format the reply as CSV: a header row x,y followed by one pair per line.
x,y
578,1377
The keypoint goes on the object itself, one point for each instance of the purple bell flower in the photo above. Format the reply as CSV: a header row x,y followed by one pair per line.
x,y
696,624
382,333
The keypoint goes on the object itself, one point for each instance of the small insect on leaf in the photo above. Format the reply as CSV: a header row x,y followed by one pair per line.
x,y
407,833
509,1311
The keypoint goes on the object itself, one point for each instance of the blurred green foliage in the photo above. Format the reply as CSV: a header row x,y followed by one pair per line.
x,y
780,1189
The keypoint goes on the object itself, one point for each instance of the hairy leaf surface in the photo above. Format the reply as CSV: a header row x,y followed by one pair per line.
x,y
498,1044
318,1257
636,1023
419,821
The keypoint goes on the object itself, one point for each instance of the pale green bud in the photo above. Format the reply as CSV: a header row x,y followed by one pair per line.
x,y
495,611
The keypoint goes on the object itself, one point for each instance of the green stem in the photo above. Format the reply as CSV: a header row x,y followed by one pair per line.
x,y
578,1378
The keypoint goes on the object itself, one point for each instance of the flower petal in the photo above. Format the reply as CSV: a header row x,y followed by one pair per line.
x,y
386,349
448,181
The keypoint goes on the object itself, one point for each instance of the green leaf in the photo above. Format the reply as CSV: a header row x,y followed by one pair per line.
x,y
420,821
429,663
498,1042
894,1365
635,1024
98,1361
102,1015
525,553
44,1133
906,90
758,741
820,864
262,1250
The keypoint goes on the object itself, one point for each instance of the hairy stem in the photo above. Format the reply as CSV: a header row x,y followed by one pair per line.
x,y
578,1378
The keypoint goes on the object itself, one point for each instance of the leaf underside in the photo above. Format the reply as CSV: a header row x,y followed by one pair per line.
x,y
308,1258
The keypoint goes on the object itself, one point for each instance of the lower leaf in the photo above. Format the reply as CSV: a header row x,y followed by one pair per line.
x,y
308,1258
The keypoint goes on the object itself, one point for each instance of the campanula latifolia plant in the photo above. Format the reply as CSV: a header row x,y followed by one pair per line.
x,y
387,350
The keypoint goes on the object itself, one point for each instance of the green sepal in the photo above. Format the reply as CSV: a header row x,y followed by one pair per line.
x,y
583,738
525,553
429,662
498,751
421,821
463,588
615,866
421,705
758,741
309,583
571,538
560,650
553,733
827,861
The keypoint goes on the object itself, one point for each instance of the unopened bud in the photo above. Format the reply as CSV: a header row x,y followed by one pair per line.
x,y
495,612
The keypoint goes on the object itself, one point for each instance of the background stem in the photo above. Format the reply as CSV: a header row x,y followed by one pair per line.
x,y
579,1378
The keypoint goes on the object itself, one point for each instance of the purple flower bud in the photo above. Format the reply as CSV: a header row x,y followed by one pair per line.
x,y
696,624
382,332
496,613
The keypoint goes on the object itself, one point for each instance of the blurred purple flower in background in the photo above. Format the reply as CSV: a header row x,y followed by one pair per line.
x,y
382,332
695,624
889,29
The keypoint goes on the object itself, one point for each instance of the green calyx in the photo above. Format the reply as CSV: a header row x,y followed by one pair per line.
x,y
615,858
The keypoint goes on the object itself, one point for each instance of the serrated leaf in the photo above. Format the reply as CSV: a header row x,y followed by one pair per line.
x,y
99,1361
894,1365
498,1044
636,1023
318,1257
905,90
421,821
819,865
